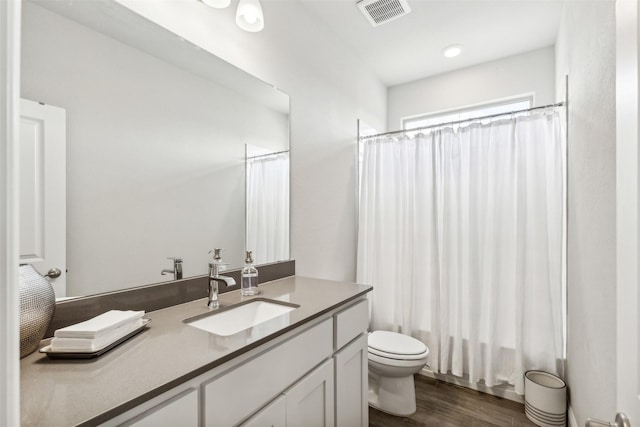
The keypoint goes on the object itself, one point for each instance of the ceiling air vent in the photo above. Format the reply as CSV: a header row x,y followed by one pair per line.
x,y
380,12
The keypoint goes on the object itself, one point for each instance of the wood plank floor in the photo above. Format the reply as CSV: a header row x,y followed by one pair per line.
x,y
447,405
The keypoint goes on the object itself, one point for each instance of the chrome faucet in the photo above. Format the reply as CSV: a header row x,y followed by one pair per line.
x,y
215,278
177,269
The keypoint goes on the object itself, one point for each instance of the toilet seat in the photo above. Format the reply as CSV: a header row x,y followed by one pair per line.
x,y
392,345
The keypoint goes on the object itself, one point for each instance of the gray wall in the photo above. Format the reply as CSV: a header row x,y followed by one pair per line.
x,y
585,50
515,75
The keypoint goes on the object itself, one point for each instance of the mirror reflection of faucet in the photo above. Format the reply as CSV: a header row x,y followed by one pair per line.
x,y
215,278
177,268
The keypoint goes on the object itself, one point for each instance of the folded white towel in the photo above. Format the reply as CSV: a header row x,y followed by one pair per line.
x,y
102,324
85,345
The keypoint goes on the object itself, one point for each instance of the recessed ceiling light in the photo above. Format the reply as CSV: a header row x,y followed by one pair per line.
x,y
452,51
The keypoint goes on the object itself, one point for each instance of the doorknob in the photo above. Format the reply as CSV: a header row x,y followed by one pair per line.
x,y
621,421
53,273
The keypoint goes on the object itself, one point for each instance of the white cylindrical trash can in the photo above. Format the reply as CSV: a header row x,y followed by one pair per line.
x,y
545,399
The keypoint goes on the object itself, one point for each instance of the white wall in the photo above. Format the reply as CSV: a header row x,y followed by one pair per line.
x,y
329,89
153,153
585,50
515,75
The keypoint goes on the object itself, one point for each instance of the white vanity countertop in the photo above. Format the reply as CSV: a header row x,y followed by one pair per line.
x,y
168,353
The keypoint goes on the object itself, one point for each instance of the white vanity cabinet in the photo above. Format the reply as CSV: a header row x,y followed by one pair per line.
x,y
181,410
315,375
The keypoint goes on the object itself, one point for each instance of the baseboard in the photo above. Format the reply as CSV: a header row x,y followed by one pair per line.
x,y
505,391
572,418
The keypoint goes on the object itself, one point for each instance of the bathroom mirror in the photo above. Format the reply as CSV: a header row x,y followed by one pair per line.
x,y
156,136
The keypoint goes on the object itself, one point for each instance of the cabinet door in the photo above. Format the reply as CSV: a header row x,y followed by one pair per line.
x,y
310,402
352,384
272,415
182,410
229,398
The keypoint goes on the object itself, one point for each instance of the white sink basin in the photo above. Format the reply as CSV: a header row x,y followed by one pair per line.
x,y
229,321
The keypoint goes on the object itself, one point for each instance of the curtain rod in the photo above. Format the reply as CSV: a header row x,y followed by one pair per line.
x,y
267,155
526,110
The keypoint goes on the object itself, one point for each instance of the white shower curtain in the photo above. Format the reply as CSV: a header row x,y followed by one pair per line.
x,y
268,208
461,233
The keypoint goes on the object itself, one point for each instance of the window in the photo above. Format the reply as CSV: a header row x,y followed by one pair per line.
x,y
505,105
466,113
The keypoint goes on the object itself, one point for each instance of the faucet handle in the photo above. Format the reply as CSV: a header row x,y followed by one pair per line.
x,y
216,254
217,263
175,259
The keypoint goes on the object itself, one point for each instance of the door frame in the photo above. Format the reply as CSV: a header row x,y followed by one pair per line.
x,y
627,210
10,15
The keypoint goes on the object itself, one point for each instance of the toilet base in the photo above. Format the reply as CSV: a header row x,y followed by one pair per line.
x,y
393,395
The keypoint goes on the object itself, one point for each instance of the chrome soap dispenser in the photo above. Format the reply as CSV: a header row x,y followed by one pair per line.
x,y
249,281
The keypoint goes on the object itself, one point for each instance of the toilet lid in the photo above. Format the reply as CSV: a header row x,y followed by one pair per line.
x,y
393,343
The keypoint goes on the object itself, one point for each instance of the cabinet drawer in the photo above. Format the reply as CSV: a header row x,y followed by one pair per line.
x,y
231,396
182,410
351,322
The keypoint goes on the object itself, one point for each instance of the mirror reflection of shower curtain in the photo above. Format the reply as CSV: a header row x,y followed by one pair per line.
x,y
268,207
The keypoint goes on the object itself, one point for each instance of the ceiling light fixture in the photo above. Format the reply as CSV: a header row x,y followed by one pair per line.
x,y
452,51
218,4
249,15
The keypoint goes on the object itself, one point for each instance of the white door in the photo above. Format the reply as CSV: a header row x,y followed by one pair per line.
x,y
43,190
310,401
627,213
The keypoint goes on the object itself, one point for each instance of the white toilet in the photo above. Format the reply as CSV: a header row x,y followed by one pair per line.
x,y
393,359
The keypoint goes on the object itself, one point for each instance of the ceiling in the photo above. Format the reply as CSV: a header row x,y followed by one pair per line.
x,y
409,48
